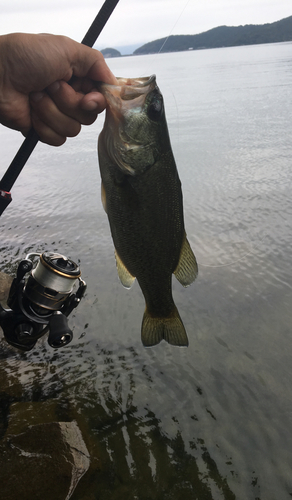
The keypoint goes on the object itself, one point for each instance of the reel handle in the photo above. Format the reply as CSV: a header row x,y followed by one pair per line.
x,y
60,333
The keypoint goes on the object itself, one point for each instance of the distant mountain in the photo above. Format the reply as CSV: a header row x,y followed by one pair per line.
x,y
127,50
108,52
223,36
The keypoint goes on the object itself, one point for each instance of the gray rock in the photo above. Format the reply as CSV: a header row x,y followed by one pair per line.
x,y
80,455
44,462
5,284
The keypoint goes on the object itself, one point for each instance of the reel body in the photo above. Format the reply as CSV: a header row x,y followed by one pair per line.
x,y
40,300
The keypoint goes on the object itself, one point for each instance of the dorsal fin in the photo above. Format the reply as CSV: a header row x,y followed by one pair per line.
x,y
187,268
125,276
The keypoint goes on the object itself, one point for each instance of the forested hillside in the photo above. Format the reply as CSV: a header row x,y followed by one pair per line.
x,y
223,36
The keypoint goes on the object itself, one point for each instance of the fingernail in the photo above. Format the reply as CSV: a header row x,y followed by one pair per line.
x,y
36,96
91,106
54,86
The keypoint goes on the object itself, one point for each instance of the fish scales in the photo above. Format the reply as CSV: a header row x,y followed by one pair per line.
x,y
143,200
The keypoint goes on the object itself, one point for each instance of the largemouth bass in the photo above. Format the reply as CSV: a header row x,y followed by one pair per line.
x,y
141,194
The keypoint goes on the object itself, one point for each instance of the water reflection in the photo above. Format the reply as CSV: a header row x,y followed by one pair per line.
x,y
134,454
213,420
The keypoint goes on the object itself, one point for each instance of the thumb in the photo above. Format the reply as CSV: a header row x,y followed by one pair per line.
x,y
90,63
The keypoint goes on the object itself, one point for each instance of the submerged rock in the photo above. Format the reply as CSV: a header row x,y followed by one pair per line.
x,y
5,284
43,462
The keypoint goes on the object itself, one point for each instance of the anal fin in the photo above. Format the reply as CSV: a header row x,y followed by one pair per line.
x,y
187,268
125,276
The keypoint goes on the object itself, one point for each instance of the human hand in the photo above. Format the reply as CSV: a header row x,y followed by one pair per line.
x,y
34,71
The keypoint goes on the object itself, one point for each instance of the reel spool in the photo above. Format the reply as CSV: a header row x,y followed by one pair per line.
x,y
40,300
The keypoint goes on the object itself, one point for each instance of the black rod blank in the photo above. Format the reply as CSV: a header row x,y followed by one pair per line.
x,y
32,138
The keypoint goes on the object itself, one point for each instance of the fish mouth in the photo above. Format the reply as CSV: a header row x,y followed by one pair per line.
x,y
128,90
123,99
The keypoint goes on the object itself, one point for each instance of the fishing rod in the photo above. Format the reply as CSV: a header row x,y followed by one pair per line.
x,y
32,138
42,295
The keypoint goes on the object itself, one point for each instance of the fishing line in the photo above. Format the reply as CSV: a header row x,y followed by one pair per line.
x,y
184,8
155,56
178,134
247,254
229,263
178,139
169,35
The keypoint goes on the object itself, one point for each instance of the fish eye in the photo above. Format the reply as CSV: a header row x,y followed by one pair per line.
x,y
155,108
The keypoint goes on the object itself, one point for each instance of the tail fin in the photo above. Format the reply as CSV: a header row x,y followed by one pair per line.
x,y
170,329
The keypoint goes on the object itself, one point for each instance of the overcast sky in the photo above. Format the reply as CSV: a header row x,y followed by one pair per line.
x,y
135,22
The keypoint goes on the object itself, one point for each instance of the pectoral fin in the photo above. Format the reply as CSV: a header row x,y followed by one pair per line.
x,y
103,197
187,268
126,278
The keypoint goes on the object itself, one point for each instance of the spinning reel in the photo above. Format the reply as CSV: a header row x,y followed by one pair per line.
x,y
40,300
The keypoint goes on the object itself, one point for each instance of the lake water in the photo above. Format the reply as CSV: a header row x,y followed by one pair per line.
x,y
214,420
